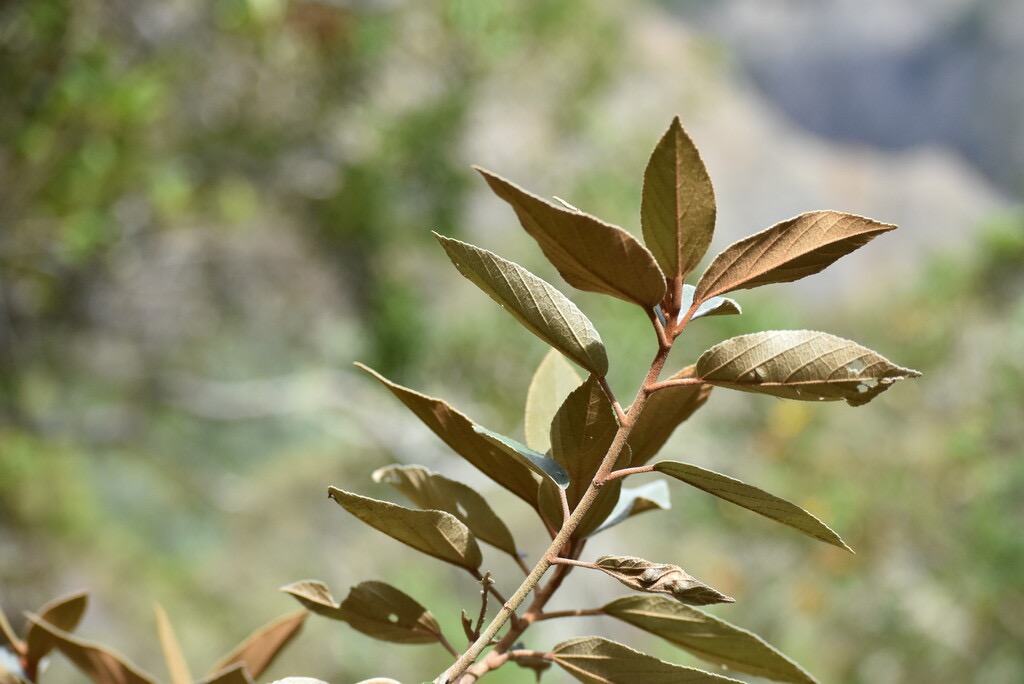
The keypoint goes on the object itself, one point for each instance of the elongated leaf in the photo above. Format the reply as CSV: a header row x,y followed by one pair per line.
x,y
434,533
581,433
101,665
552,382
7,636
800,364
430,490
635,500
752,499
177,666
236,674
590,254
713,306
677,211
538,462
665,410
385,613
456,430
707,637
537,305
787,251
258,650
659,578
63,612
594,660
316,598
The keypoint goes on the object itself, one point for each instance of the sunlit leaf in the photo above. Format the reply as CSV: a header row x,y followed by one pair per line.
x,y
101,665
383,612
677,210
787,251
665,410
177,666
64,613
456,430
635,500
707,637
752,499
594,660
316,597
590,254
434,533
433,491
713,306
538,462
537,305
552,382
257,651
800,364
659,578
236,674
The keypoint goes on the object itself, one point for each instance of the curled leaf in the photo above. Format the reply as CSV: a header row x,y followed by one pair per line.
x,y
64,613
655,578
594,660
316,598
257,651
552,382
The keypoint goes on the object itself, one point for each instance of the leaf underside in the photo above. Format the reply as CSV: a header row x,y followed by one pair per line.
x,y
650,496
536,461
595,660
659,578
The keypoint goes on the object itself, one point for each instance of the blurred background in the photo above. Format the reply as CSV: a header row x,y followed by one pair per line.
x,y
209,210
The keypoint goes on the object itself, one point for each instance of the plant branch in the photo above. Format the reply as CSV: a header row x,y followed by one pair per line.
x,y
625,472
675,383
579,612
576,563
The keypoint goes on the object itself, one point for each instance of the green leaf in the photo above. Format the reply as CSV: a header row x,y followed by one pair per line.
x,y
707,637
636,500
752,499
800,364
665,410
457,431
177,666
594,660
257,651
101,665
537,305
659,578
677,210
383,612
433,491
787,251
590,254
434,533
552,382
714,306
233,675
316,598
538,462
64,613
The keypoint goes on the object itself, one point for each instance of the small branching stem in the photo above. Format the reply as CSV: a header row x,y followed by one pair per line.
x,y
678,382
625,472
576,563
579,612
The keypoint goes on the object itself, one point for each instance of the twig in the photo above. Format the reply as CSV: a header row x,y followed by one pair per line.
x,y
624,472
579,612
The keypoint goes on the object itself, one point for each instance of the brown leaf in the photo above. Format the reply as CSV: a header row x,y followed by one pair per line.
x,y
316,597
653,578
7,636
800,364
677,210
237,674
385,613
590,254
434,533
101,665
665,410
594,660
257,651
552,382
536,461
787,251
177,666
64,613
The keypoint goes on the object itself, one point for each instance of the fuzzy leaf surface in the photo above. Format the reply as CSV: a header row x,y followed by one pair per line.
x,y
753,499
660,578
666,410
537,305
257,651
316,598
457,431
536,461
383,612
800,364
64,613
595,660
650,496
787,251
590,254
432,491
552,382
434,533
177,666
101,665
707,637
677,208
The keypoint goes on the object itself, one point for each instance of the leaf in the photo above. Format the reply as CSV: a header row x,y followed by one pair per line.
x,y
707,637
64,613
552,382
590,254
177,666
655,578
665,410
538,462
233,675
714,306
753,499
800,364
101,665
787,251
257,651
456,430
677,210
532,662
434,533
316,597
537,305
433,491
637,500
594,660
385,613
7,636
